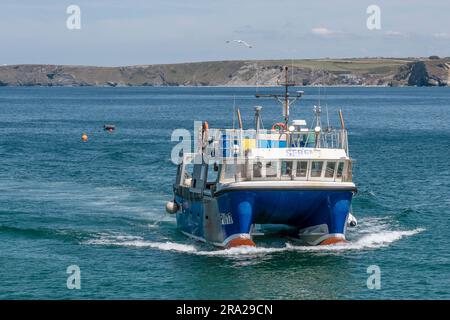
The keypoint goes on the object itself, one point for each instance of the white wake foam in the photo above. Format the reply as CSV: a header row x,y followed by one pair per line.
x,y
139,242
370,241
374,240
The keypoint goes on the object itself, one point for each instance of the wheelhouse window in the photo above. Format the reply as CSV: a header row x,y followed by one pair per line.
x,y
286,168
329,170
230,170
340,170
302,167
187,176
189,169
316,169
233,171
213,170
257,168
271,169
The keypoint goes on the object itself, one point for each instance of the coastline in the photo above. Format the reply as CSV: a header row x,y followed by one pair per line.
x,y
365,72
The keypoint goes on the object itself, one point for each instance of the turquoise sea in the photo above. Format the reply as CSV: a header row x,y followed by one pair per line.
x,y
100,204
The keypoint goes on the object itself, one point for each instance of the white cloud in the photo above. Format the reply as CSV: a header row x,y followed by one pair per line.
x,y
441,35
394,33
322,31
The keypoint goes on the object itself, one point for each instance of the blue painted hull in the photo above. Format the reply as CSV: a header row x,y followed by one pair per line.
x,y
238,210
300,209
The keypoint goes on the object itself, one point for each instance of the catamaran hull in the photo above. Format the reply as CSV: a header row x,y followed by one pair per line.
x,y
226,219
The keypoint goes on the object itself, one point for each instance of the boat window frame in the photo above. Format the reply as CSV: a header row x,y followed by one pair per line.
x,y
292,166
212,175
341,178
332,178
246,171
262,170
305,177
320,177
277,167
226,173
188,159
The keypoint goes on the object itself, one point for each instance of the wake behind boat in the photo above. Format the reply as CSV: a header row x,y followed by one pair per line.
x,y
238,181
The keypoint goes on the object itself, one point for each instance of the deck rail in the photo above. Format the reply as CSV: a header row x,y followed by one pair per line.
x,y
235,143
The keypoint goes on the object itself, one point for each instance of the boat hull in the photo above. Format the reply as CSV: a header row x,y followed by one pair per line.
x,y
318,215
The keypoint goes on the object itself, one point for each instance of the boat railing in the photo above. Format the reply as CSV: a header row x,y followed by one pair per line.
x,y
233,143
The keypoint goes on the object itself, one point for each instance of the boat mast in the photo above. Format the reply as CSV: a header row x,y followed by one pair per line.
x,y
285,99
286,96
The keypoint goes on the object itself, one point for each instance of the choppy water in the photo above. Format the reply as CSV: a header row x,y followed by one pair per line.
x,y
100,204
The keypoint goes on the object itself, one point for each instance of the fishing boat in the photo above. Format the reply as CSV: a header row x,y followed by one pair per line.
x,y
239,181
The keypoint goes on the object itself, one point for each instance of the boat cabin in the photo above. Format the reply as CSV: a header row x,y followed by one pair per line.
x,y
230,156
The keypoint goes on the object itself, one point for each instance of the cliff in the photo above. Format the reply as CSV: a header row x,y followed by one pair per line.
x,y
362,72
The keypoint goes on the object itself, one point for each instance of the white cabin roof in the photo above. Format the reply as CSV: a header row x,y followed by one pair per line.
x,y
297,153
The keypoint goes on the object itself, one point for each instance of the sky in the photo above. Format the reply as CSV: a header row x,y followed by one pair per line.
x,y
137,32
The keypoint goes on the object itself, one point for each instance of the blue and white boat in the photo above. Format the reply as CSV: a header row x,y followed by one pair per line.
x,y
238,181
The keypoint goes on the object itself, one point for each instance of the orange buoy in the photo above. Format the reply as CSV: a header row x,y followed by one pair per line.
x,y
84,137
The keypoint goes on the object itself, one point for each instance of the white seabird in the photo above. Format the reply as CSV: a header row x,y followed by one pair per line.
x,y
241,42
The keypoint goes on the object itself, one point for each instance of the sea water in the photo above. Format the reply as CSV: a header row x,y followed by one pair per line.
x,y
99,205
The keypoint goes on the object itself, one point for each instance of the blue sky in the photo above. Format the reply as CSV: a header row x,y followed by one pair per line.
x,y
132,32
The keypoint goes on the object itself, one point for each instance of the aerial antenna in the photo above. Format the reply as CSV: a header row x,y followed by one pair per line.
x,y
239,118
318,128
292,71
342,119
317,113
326,107
328,117
234,109
257,84
258,121
285,99
320,85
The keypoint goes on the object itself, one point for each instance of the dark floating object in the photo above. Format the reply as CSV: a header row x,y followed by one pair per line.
x,y
109,127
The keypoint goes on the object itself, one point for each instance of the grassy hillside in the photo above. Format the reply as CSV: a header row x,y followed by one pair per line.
x,y
370,71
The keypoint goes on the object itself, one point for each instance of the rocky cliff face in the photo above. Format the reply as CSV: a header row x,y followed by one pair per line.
x,y
381,72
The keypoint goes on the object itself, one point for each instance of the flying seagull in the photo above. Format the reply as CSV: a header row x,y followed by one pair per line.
x,y
240,41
